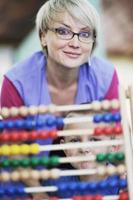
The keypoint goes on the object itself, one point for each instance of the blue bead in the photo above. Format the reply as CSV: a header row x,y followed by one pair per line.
x,y
62,187
29,124
1,126
83,186
59,123
93,186
122,183
102,185
72,186
8,124
116,117
97,118
19,190
107,117
2,192
113,183
19,124
9,191
51,121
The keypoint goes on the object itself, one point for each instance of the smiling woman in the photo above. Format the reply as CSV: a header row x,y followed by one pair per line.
x,y
65,71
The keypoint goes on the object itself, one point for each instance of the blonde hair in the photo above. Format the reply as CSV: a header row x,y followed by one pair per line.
x,y
82,10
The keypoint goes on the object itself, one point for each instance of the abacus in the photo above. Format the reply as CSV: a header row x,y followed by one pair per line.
x,y
109,118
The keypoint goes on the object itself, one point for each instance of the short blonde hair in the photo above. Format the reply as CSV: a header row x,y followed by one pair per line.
x,y
82,10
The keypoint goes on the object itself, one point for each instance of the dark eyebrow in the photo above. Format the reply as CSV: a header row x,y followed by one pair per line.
x,y
86,27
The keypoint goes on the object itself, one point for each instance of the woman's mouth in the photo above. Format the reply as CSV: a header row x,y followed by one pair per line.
x,y
72,54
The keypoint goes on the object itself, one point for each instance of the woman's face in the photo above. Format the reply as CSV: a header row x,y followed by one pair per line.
x,y
86,151
67,53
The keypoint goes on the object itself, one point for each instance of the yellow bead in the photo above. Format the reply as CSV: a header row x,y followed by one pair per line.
x,y
14,112
106,105
5,177
15,149
96,106
24,149
5,150
23,111
45,174
55,173
111,170
15,176
34,174
5,112
34,148
32,110
24,174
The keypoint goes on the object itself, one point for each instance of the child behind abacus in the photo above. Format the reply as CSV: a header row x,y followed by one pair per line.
x,y
84,151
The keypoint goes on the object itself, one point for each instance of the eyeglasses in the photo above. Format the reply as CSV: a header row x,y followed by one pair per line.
x,y
66,34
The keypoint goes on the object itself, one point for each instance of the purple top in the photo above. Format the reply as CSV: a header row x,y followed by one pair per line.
x,y
94,82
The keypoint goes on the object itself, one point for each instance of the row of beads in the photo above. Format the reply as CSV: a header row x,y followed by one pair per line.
x,y
15,136
33,162
50,121
107,117
42,109
56,173
53,121
55,160
23,149
122,196
78,188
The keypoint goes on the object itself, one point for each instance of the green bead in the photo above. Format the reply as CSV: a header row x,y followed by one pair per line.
x,y
111,157
100,157
44,161
5,163
25,162
54,161
119,156
34,162
15,163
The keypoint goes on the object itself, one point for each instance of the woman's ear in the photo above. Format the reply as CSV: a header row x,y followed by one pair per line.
x,y
43,39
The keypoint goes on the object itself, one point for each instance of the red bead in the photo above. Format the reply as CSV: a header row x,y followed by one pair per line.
x,y
53,134
5,137
77,198
118,129
53,198
98,197
33,135
108,130
24,136
15,136
123,196
87,198
98,131
43,135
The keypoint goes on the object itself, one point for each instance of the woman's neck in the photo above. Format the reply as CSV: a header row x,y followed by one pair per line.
x,y
61,77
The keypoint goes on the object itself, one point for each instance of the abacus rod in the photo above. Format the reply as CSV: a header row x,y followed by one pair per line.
x,y
127,142
78,119
75,132
77,159
80,145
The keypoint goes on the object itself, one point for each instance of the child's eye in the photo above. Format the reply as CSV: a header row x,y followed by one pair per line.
x,y
75,140
95,139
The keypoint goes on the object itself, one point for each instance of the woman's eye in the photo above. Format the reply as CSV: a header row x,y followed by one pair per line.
x,y
85,34
62,31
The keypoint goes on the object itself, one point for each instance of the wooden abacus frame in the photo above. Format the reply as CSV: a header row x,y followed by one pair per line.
x,y
128,135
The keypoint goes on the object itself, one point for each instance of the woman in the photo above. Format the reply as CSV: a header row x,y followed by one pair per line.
x,y
65,72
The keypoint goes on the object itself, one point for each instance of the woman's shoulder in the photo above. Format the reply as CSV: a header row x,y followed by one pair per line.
x,y
27,66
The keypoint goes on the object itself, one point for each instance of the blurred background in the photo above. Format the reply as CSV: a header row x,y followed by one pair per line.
x,y
19,39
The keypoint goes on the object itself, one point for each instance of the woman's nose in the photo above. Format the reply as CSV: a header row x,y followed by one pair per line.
x,y
74,42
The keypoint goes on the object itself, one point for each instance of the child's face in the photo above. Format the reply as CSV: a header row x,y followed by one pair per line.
x,y
86,151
